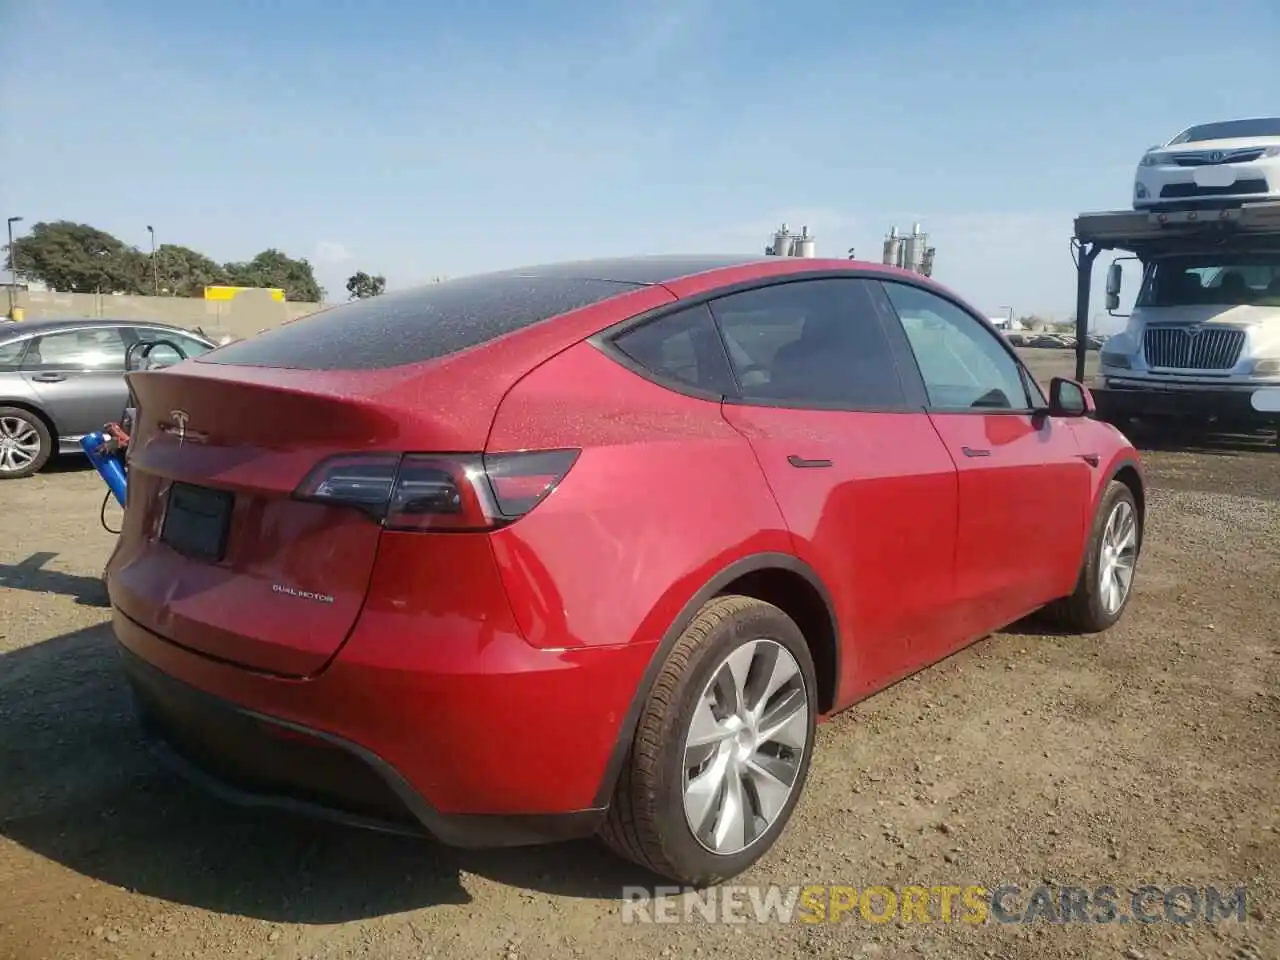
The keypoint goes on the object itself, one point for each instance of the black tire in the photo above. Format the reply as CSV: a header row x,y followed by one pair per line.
x,y
1084,611
29,419
646,821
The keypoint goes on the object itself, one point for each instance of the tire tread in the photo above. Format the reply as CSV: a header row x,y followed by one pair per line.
x,y
630,829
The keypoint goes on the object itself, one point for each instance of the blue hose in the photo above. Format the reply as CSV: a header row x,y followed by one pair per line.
x,y
109,465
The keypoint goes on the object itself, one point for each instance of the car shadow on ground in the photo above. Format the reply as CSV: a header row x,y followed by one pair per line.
x,y
81,789
68,463
30,575
1164,439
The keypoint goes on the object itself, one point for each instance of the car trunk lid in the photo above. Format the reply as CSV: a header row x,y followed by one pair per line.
x,y
216,554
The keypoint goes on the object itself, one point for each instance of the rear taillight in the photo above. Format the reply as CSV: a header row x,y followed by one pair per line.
x,y
427,491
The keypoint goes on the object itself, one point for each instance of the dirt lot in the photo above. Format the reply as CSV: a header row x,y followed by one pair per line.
x,y
1148,755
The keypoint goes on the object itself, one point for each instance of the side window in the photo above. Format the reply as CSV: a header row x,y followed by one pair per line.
x,y
683,347
165,355
11,353
963,364
97,348
810,342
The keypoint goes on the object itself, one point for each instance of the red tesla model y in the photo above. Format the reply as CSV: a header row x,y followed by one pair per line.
x,y
589,548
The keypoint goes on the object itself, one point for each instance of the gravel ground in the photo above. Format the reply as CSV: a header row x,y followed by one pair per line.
x,y
1150,754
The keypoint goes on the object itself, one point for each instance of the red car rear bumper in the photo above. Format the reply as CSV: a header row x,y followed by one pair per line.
x,y
475,737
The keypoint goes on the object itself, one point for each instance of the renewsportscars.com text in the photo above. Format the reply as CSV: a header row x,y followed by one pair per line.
x,y
971,904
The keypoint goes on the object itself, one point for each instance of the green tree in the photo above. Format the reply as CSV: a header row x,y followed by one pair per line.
x,y
271,268
361,285
184,272
77,258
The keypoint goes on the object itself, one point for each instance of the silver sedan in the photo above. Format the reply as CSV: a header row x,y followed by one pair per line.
x,y
62,379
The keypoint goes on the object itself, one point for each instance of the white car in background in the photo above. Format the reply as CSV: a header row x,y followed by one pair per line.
x,y
1231,161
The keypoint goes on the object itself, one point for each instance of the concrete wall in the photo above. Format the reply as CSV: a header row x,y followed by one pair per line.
x,y
248,314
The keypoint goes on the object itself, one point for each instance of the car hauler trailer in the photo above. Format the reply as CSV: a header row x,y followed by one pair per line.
x,y
1203,341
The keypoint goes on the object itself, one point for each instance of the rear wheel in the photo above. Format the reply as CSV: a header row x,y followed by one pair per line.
x,y
723,746
25,443
1106,580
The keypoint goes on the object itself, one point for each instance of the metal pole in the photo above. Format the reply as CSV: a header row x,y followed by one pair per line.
x,y
155,269
1084,286
13,268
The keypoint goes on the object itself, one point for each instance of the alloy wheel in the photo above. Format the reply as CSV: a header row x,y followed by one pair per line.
x,y
744,747
19,444
1118,557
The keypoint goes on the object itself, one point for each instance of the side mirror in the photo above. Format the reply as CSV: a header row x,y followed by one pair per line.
x,y
1115,277
1068,398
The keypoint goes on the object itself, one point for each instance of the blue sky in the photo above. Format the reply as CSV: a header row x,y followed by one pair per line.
x,y
439,138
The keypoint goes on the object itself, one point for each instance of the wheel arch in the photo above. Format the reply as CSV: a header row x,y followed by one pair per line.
x,y
38,412
32,408
778,578
1126,471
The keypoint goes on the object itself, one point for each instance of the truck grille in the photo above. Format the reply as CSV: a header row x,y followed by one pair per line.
x,y
1178,348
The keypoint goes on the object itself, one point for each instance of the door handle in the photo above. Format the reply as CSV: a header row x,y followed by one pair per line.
x,y
802,462
48,378
971,452
1092,459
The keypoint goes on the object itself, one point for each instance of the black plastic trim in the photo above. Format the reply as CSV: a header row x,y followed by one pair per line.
x,y
1233,406
713,587
1133,464
458,830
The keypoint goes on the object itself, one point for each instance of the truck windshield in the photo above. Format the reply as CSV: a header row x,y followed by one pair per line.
x,y
1191,281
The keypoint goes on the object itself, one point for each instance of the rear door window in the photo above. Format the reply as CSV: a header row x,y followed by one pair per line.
x,y
810,343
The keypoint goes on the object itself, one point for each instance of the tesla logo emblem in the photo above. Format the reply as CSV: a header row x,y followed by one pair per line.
x,y
179,418
176,426
1215,156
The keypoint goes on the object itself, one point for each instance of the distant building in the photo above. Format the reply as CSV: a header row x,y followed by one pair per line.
x,y
1006,323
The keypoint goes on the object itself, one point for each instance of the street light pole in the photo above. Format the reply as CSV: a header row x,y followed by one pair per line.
x,y
13,270
155,269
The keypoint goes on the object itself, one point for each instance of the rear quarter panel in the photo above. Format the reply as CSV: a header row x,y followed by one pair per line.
x,y
664,495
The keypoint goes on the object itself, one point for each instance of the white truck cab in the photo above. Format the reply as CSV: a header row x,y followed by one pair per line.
x,y
1208,321
1203,339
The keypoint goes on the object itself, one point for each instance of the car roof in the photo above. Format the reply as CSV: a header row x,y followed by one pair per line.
x,y
26,328
651,270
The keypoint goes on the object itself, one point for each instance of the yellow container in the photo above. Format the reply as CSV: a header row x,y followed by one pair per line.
x,y
18,313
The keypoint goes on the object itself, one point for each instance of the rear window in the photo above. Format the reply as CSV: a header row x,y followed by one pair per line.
x,y
412,326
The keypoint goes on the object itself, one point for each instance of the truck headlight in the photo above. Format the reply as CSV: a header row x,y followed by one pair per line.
x,y
1266,368
1115,360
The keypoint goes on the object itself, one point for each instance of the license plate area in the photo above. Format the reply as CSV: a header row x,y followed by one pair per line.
x,y
196,521
1214,176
